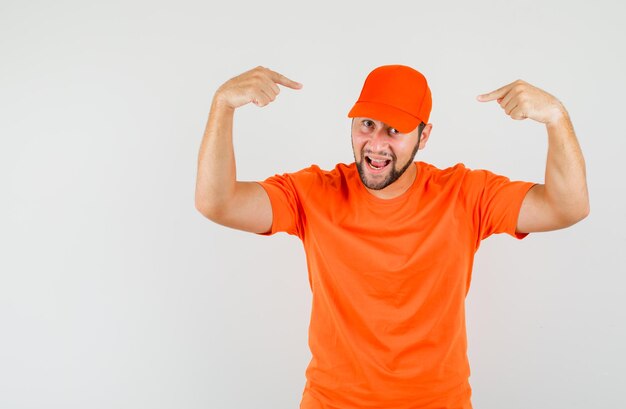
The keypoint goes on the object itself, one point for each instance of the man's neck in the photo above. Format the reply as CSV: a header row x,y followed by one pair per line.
x,y
398,187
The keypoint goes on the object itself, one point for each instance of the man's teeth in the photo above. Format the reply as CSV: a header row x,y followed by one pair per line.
x,y
377,164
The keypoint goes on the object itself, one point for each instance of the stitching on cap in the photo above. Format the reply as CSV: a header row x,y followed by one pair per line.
x,y
382,103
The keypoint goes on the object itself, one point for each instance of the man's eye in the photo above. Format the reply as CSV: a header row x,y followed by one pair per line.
x,y
394,131
367,123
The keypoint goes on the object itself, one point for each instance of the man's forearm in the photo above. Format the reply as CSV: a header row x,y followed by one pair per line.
x,y
565,179
216,179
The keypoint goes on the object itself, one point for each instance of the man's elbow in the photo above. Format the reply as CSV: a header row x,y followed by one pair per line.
x,y
208,210
584,208
580,214
202,209
584,213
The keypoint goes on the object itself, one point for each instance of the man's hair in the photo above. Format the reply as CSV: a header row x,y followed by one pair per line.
x,y
420,128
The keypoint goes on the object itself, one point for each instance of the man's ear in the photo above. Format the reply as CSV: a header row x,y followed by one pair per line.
x,y
425,134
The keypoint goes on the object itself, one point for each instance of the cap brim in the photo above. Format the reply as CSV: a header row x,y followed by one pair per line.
x,y
393,117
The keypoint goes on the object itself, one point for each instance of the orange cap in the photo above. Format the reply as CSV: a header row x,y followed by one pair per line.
x,y
396,95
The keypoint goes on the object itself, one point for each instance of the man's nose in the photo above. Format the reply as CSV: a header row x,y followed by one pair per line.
x,y
379,139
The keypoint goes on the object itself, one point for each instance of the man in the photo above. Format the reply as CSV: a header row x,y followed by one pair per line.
x,y
390,242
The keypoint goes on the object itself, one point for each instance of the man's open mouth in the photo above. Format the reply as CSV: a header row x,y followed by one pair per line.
x,y
377,163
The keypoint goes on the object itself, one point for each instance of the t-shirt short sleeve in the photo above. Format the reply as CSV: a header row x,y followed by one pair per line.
x,y
287,193
495,202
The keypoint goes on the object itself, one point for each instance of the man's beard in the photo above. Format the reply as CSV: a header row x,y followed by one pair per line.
x,y
391,177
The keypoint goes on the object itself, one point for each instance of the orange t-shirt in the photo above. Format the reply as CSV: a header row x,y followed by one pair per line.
x,y
389,279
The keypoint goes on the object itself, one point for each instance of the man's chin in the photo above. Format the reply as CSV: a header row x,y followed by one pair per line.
x,y
375,181
379,186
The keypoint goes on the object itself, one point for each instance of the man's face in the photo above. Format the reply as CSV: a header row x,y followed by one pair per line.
x,y
382,154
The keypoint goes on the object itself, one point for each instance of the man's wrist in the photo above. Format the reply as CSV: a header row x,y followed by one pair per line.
x,y
220,104
560,117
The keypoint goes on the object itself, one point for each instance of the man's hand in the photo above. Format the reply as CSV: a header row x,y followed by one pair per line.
x,y
521,100
258,85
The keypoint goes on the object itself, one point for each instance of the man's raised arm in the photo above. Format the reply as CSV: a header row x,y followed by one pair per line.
x,y
219,196
563,199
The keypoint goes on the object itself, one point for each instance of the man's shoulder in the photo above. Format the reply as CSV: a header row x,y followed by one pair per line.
x,y
314,175
340,170
468,179
433,171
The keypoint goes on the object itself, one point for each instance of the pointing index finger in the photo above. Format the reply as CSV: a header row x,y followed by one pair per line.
x,y
281,79
497,94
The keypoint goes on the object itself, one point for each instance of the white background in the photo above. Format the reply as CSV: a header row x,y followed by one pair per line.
x,y
116,293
